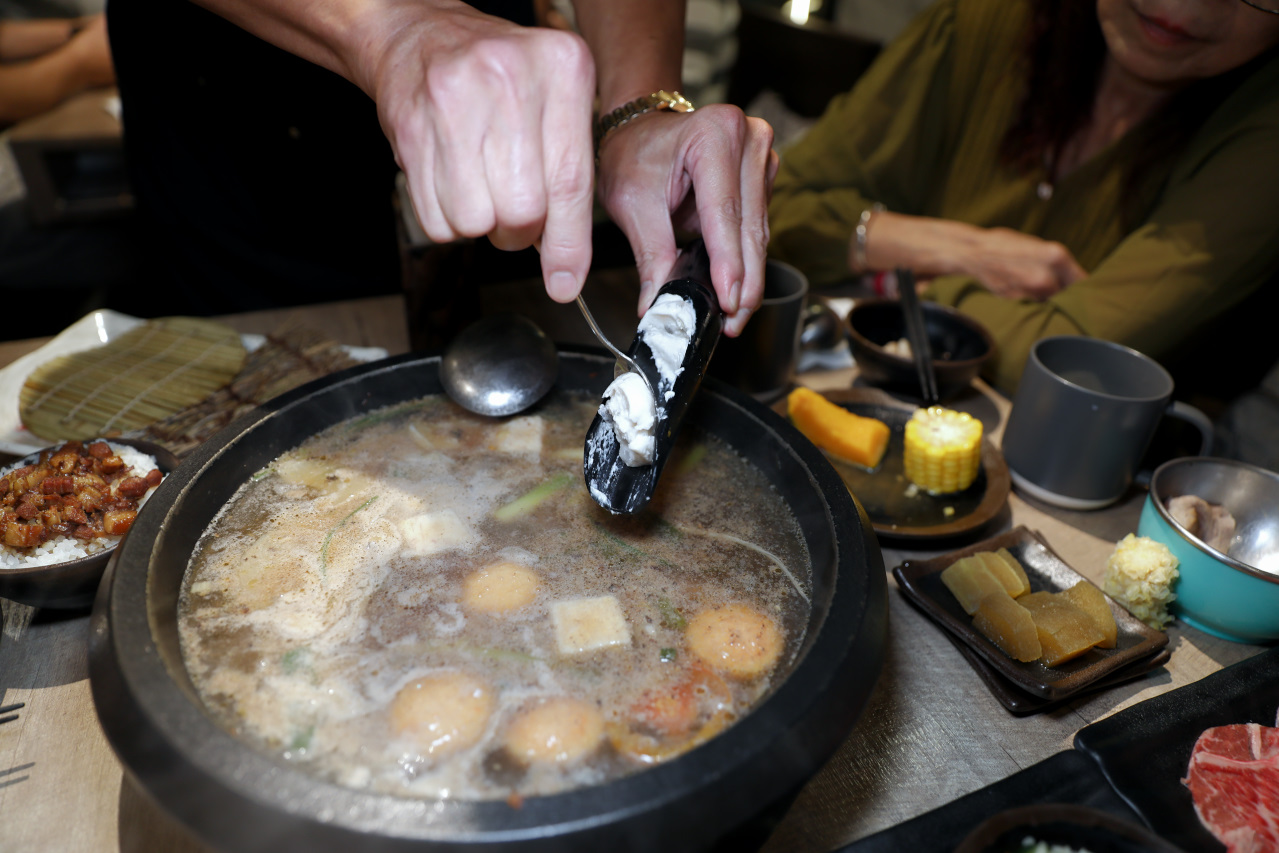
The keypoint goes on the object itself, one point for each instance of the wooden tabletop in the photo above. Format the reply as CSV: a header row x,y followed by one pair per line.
x,y
931,732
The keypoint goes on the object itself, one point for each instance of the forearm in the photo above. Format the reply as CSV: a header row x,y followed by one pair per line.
x,y
638,46
348,37
929,246
27,39
30,88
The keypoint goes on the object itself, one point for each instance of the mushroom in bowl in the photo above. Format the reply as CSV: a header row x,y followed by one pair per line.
x,y
1229,588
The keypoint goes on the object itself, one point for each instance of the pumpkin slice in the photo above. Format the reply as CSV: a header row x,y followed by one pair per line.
x,y
836,430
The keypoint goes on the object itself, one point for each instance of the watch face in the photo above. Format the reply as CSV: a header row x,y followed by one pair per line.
x,y
673,101
659,100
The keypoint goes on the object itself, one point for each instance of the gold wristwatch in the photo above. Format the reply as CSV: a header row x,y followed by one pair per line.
x,y
659,100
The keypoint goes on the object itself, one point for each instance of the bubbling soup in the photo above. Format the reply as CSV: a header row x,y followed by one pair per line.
x,y
425,602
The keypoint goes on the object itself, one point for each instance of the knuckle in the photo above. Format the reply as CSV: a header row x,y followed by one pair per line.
x,y
571,54
570,184
730,209
760,135
649,256
520,210
756,235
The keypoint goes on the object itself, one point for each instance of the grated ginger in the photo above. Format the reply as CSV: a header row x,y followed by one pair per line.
x,y
1139,575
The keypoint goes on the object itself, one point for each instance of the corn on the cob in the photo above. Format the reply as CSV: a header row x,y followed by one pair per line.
x,y
837,430
943,450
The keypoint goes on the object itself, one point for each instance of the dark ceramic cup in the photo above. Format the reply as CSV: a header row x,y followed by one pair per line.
x,y
1083,417
762,360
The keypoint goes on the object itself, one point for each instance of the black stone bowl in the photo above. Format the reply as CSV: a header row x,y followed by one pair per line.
x,y
71,585
1064,824
960,347
236,798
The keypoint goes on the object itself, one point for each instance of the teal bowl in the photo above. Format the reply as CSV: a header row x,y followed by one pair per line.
x,y
1234,595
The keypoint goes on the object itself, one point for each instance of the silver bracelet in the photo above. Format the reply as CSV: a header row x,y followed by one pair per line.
x,y
859,237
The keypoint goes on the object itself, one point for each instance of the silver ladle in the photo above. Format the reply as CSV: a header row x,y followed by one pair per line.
x,y
499,365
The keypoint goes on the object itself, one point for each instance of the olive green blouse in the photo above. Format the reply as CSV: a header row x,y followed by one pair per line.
x,y
921,133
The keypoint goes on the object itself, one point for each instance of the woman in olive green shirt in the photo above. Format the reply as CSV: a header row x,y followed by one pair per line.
x,y
1100,230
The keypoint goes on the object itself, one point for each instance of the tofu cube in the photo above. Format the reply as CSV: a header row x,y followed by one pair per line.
x,y
586,624
433,532
521,437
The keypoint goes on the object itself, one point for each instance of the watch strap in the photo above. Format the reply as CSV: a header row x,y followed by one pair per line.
x,y
660,100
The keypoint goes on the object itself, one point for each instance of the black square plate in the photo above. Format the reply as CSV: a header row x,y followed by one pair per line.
x,y
1021,703
920,581
1144,750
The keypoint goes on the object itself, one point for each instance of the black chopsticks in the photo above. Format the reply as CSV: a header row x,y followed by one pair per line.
x,y
7,709
917,335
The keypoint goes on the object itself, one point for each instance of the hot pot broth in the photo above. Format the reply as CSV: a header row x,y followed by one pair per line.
x,y
426,602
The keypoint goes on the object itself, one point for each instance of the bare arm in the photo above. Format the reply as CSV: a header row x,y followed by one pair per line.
x,y
37,85
27,39
1008,263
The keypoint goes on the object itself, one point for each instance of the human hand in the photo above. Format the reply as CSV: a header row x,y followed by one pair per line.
x,y
1020,266
1007,262
710,172
491,124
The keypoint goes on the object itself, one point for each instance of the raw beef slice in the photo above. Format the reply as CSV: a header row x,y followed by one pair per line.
x,y
1234,779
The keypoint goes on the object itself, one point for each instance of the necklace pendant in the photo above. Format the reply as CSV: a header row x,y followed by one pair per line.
x,y
1044,190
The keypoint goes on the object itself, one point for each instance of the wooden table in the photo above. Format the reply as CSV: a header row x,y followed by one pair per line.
x,y
931,732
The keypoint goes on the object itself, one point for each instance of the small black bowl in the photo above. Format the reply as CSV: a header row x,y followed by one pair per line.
x,y
960,346
71,585
1065,824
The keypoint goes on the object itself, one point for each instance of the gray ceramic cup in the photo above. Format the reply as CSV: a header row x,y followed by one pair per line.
x,y
1083,417
762,360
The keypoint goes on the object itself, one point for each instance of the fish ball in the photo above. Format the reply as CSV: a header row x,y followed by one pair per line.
x,y
556,730
444,712
500,588
735,639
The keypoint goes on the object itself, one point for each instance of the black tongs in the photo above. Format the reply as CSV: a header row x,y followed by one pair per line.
x,y
621,488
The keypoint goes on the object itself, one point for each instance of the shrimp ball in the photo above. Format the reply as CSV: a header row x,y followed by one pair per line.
x,y
443,713
500,588
736,640
555,730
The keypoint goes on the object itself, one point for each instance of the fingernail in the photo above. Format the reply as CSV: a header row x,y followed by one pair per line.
x,y
562,286
734,298
736,323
